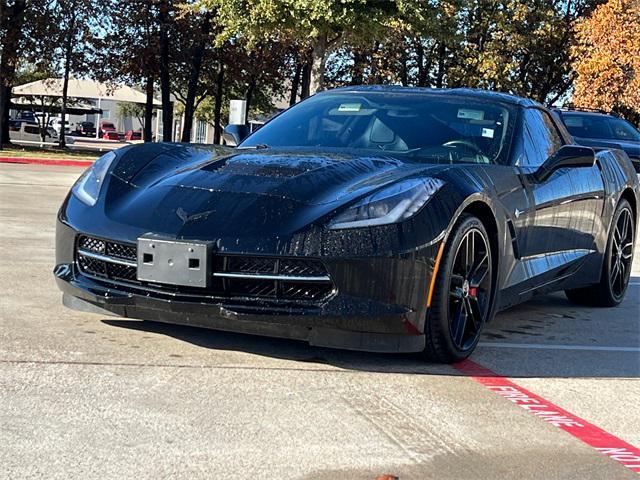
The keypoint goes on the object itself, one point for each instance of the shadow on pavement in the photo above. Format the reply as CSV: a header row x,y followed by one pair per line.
x,y
547,320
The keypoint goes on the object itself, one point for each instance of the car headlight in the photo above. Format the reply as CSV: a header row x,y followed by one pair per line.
x,y
88,186
389,205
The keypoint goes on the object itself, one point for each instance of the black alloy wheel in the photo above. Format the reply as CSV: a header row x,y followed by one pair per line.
x,y
621,254
616,263
462,293
469,289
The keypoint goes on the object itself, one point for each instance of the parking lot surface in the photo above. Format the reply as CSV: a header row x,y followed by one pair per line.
x,y
88,396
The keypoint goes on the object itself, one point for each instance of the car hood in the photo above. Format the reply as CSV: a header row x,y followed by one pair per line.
x,y
191,191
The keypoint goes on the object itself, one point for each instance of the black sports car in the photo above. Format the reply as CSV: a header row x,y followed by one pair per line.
x,y
370,218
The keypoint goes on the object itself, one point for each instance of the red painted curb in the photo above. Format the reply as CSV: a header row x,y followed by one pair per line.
x,y
46,161
604,442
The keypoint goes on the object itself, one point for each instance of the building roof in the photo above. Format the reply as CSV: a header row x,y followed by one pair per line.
x,y
75,107
52,87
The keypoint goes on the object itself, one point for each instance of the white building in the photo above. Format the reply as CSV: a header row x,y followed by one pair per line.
x,y
103,97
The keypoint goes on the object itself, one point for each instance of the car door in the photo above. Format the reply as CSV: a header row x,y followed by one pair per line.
x,y
567,206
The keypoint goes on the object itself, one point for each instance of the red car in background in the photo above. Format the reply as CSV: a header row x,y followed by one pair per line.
x,y
108,131
111,135
133,135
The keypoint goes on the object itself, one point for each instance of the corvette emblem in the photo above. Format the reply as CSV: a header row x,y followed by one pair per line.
x,y
185,217
182,214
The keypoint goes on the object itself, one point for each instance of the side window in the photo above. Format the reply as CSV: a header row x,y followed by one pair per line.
x,y
541,137
531,154
552,130
32,129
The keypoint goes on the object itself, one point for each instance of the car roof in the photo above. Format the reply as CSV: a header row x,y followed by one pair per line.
x,y
586,113
453,92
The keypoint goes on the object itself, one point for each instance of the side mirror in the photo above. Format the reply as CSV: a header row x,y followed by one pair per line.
x,y
233,135
569,156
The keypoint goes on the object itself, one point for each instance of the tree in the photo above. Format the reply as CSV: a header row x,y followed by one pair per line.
x,y
131,109
198,27
607,59
133,64
12,15
165,18
317,26
77,22
505,45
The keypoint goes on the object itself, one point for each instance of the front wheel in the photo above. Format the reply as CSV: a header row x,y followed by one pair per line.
x,y
616,265
461,300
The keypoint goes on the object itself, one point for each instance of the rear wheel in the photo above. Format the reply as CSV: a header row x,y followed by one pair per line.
x,y
616,268
462,293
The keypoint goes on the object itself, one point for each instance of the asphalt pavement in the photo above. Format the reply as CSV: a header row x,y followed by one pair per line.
x,y
88,396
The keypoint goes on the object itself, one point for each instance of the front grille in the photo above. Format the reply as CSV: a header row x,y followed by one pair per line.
x,y
121,272
92,244
242,264
92,266
123,259
274,278
120,250
302,267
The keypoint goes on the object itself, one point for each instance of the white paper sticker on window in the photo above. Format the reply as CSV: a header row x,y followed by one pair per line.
x,y
487,132
470,114
349,107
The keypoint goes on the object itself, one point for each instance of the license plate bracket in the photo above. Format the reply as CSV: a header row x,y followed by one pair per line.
x,y
174,262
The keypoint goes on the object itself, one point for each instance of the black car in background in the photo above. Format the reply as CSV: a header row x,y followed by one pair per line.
x,y
370,218
87,129
598,129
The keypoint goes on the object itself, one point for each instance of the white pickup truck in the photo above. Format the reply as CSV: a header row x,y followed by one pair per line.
x,y
30,133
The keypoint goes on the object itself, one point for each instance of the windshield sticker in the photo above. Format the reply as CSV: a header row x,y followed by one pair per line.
x,y
350,107
573,122
470,114
487,132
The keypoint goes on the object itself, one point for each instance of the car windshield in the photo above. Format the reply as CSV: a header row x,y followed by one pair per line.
x,y
422,127
600,126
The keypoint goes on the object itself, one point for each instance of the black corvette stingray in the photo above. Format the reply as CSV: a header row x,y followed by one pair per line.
x,y
379,218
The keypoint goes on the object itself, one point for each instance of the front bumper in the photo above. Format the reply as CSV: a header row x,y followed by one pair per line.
x,y
379,303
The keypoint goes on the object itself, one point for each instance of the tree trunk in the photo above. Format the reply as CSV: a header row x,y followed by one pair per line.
x,y
404,69
194,76
442,50
43,121
249,97
147,133
374,76
217,112
5,98
295,84
12,20
305,87
65,82
359,64
318,63
165,80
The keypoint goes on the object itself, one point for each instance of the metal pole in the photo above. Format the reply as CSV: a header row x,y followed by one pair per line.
x,y
157,124
99,115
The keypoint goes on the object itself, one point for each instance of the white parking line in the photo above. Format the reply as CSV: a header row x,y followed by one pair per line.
x,y
536,346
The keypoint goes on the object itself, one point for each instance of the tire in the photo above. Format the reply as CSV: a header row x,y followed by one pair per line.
x,y
463,293
616,264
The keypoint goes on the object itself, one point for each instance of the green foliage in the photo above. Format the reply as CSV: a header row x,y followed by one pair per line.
x,y
130,109
521,47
